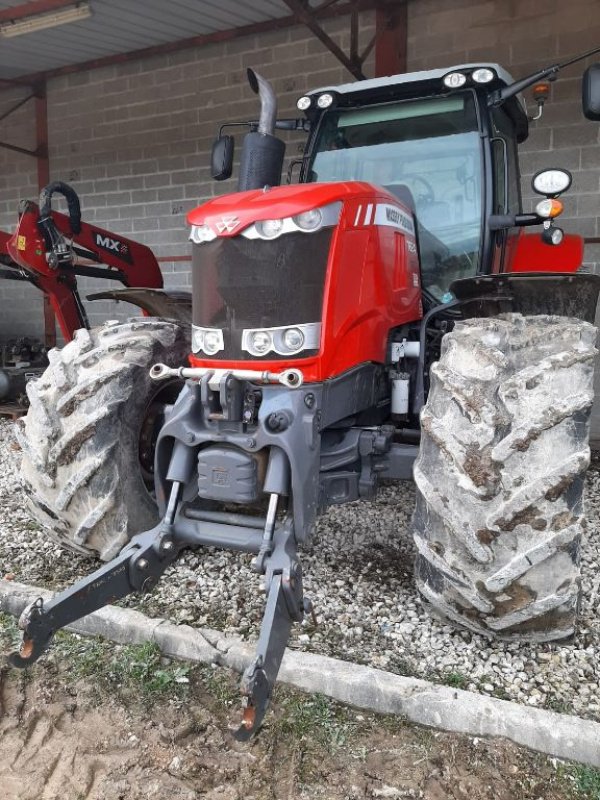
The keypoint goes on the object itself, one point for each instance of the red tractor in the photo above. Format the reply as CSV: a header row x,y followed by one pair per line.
x,y
338,322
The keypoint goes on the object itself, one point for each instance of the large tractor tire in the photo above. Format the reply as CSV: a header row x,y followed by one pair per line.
x,y
89,434
504,450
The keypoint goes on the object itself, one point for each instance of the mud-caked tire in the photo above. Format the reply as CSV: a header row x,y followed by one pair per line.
x,y
83,438
504,449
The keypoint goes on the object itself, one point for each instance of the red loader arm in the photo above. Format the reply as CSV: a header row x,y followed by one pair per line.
x,y
54,248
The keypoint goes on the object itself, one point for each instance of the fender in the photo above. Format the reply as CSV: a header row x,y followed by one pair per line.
x,y
530,254
564,294
153,302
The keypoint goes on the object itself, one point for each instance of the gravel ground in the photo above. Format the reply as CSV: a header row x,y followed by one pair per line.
x,y
358,572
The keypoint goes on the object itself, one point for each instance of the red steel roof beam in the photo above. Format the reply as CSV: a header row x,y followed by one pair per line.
x,y
43,176
390,39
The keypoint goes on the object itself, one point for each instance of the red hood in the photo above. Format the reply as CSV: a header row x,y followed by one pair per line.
x,y
243,208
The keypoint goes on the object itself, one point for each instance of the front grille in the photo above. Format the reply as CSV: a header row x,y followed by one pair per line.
x,y
242,283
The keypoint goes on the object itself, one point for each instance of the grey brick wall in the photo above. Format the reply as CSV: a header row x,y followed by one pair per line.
x,y
134,139
524,36
21,306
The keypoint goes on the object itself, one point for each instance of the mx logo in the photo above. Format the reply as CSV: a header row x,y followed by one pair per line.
x,y
120,249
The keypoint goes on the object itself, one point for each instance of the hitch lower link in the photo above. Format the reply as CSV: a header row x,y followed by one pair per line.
x,y
138,568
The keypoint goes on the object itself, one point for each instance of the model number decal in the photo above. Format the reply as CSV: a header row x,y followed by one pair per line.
x,y
391,215
114,246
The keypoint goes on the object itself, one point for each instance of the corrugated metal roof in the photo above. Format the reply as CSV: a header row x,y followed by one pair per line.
x,y
121,26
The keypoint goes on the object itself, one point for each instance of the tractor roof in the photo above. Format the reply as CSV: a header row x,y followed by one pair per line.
x,y
426,82
422,76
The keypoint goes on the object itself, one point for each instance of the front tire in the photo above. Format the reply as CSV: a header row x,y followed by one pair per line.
x,y
88,436
504,450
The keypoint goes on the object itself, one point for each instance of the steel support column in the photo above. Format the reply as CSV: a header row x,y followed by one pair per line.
x,y
391,38
43,178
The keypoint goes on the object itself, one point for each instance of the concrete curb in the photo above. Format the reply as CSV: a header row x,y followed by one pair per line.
x,y
419,701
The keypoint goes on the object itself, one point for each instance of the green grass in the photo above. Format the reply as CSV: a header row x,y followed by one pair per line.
x,y
219,685
455,679
586,781
314,719
560,706
9,633
134,669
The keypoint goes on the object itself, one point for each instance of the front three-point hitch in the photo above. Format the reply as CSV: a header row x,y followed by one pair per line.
x,y
140,565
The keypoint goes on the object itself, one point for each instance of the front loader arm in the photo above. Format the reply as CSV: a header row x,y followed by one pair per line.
x,y
54,248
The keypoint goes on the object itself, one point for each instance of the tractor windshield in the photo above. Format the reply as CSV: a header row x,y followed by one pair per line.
x,y
427,153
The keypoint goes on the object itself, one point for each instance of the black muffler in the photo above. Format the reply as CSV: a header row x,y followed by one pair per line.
x,y
262,155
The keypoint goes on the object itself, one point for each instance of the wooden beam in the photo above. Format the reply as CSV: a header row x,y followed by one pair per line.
x,y
339,9
33,9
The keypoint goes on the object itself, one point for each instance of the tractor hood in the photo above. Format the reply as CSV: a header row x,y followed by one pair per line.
x,y
232,213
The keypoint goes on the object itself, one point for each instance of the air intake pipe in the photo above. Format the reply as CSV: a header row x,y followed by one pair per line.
x,y
262,153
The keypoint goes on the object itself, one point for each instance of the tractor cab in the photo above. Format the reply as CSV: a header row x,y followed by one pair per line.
x,y
443,144
437,142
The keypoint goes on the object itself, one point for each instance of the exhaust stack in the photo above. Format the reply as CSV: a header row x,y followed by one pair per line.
x,y
262,153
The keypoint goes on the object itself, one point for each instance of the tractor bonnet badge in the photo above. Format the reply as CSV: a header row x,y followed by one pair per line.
x,y
227,224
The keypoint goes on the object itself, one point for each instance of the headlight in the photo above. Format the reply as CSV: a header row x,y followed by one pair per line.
x,y
293,338
260,342
454,80
269,228
303,103
202,233
306,221
483,75
309,220
286,340
325,100
207,340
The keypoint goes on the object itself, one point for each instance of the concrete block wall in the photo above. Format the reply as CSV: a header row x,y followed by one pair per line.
x,y
21,305
523,36
134,139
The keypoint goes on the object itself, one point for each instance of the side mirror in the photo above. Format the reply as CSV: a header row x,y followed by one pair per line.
x,y
590,92
221,162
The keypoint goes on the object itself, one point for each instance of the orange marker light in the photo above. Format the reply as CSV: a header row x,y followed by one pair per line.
x,y
541,91
549,208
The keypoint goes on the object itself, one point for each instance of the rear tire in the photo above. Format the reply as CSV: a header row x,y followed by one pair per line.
x,y
504,450
86,463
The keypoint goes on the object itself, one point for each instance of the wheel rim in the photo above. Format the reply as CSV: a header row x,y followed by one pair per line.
x,y
152,422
